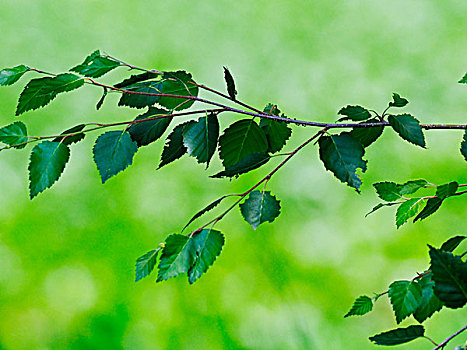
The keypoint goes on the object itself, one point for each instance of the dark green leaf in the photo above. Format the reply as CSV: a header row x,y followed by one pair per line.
x,y
342,155
95,65
144,133
405,297
203,211
39,92
208,245
429,302
230,84
47,162
366,136
408,127
464,79
379,206
174,147
249,163
260,207
145,264
241,139
271,109
390,191
178,256
136,79
101,101
432,205
464,145
9,76
398,336
398,101
14,134
361,306
113,152
277,133
447,190
200,138
452,243
76,137
407,210
450,276
355,113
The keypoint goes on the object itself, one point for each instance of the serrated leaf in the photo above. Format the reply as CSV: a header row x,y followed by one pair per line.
x,y
136,78
399,335
464,79
200,138
277,133
113,152
366,136
96,65
390,191
408,127
429,302
398,101
271,109
14,135
405,297
76,137
432,205
464,145
407,210
241,139
47,162
101,100
230,84
206,209
447,190
39,92
452,243
361,306
145,264
174,147
379,206
260,207
355,113
178,256
144,133
450,276
247,164
9,76
343,155
208,244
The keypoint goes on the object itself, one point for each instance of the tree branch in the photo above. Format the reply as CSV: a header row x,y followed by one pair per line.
x,y
448,339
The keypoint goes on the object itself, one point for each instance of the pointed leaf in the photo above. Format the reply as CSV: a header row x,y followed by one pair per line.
x,y
407,210
408,128
174,147
230,84
76,137
206,209
429,302
432,205
260,207
361,306
101,100
366,136
452,243
144,133
379,206
247,164
464,145
14,135
9,76
398,336
47,162
398,101
355,113
137,78
96,65
200,138
113,152
145,264
277,133
464,79
405,297
178,256
390,191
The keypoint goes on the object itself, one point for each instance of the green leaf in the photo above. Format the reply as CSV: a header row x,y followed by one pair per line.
x,y
429,302
200,138
355,113
113,152
366,136
230,84
407,210
206,209
136,79
464,79
277,133
247,164
145,264
390,191
76,137
361,306
96,65
271,109
432,205
408,127
398,336
450,276
464,145
144,133
398,101
452,243
9,76
174,147
405,297
342,155
241,139
47,162
447,190
208,244
14,134
379,206
260,207
39,92
101,100
178,256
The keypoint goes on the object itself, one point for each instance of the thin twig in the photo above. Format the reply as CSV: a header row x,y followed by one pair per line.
x,y
448,339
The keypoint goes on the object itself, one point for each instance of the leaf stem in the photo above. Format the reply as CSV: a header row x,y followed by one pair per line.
x,y
431,340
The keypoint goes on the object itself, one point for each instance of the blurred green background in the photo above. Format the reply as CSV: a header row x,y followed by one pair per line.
x,y
67,257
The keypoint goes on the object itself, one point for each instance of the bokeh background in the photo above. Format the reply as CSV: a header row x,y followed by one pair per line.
x,y
67,257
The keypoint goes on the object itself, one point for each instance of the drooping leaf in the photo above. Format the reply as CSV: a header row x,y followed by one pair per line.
x,y
399,335
429,302
145,264
355,113
405,297
14,134
113,152
450,277
277,133
208,244
206,209
390,191
260,207
200,138
241,139
432,205
144,133
408,127
76,137
174,147
178,256
398,101
366,136
96,65
464,145
361,306
47,162
9,76
343,155
407,210
230,84
101,100
379,206
247,164
39,92
452,243
464,79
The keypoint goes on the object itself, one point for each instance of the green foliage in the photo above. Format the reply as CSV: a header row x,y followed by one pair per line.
x,y
208,245
429,302
405,297
366,136
15,135
355,113
433,204
464,145
174,147
390,191
398,336
148,131
200,138
398,101
9,76
145,264
206,209
247,164
72,135
260,207
407,210
408,127
277,132
463,79
361,306
95,65
229,80
452,243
